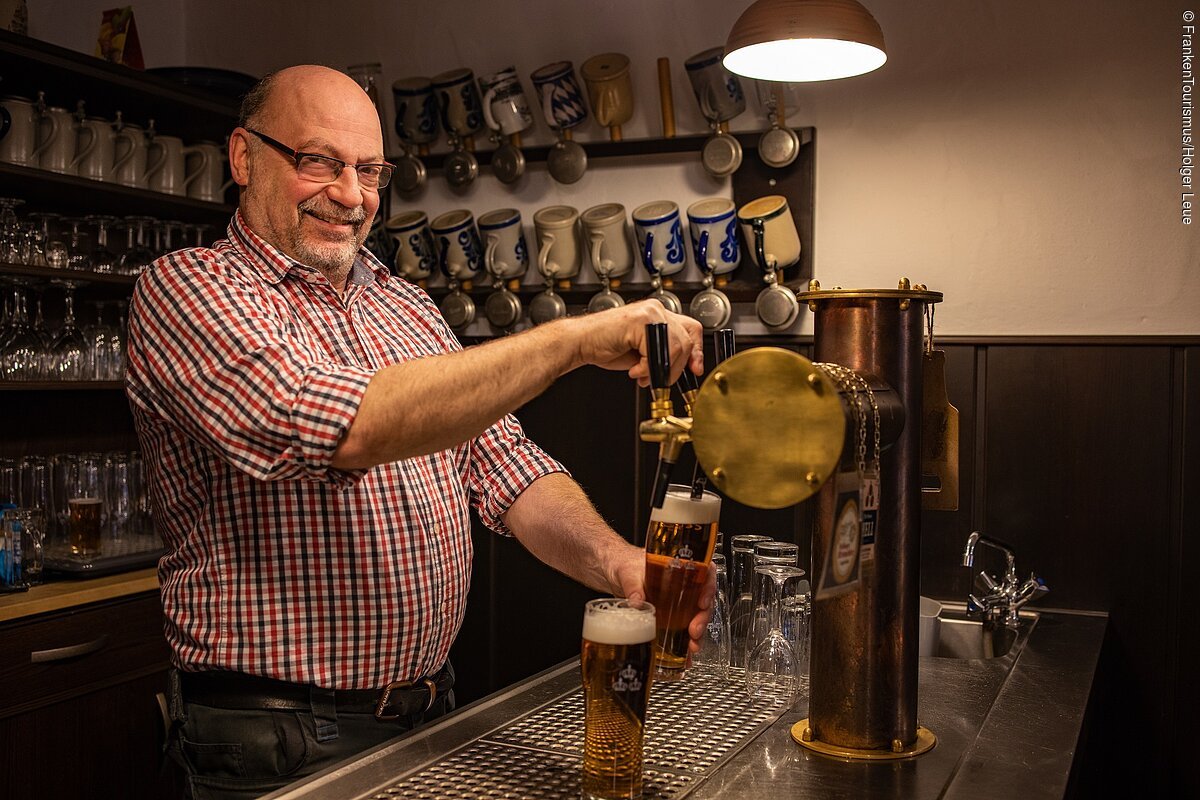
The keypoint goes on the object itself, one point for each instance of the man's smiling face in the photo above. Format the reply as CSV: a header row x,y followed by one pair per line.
x,y
317,110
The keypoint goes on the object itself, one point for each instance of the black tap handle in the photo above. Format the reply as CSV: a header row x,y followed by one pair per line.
x,y
724,344
659,355
687,382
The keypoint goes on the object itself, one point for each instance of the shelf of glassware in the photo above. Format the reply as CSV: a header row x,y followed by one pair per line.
x,y
43,190
74,276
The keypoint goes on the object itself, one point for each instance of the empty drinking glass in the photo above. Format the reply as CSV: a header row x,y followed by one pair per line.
x,y
771,663
103,258
713,656
69,352
741,583
22,356
781,554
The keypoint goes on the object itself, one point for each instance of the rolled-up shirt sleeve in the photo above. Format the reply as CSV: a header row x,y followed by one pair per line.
x,y
503,464
211,353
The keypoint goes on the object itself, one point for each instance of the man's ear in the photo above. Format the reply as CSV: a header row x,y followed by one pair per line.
x,y
239,156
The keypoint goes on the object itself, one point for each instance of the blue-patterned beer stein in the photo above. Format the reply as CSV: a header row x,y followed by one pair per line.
x,y
561,99
460,255
718,91
416,111
505,253
660,237
415,251
712,224
458,98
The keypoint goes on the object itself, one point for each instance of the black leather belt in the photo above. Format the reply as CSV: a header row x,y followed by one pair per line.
x,y
236,690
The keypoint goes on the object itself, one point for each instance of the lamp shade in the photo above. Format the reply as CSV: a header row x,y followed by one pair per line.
x,y
804,40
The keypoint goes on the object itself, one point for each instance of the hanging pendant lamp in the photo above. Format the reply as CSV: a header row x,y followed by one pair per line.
x,y
804,40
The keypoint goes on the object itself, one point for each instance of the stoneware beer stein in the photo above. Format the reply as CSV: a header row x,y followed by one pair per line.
x,y
608,242
558,257
415,251
774,245
460,256
505,254
57,141
459,101
659,237
95,158
558,93
18,131
416,112
505,108
717,90
712,224
610,90
129,168
204,172
165,171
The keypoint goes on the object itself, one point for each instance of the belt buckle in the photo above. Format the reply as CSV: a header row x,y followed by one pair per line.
x,y
386,695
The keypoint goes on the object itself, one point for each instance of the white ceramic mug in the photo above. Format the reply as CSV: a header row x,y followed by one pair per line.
x,y
659,237
18,131
460,255
415,251
712,224
558,245
608,240
165,171
57,141
505,254
505,107
129,167
770,232
718,91
94,160
459,101
204,172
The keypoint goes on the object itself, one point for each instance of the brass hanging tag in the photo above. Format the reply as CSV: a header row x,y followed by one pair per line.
x,y
939,438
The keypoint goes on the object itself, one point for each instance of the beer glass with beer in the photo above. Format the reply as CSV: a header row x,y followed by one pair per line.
x,y
617,662
679,547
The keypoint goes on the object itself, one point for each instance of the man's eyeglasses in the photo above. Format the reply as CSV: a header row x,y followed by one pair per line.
x,y
326,169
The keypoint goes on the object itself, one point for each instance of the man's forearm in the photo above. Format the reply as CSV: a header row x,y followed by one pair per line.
x,y
556,522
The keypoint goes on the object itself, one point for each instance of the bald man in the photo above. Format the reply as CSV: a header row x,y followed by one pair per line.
x,y
316,438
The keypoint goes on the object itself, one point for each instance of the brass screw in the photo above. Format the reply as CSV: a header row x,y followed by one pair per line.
x,y
897,746
812,479
904,304
718,475
814,380
722,383
806,734
814,285
905,283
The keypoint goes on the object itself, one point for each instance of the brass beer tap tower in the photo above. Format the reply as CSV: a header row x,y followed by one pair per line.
x,y
771,429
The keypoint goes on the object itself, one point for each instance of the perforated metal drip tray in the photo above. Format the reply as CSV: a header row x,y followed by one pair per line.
x,y
692,727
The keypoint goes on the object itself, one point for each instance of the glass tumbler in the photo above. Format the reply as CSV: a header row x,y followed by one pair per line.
x,y
713,657
771,662
741,549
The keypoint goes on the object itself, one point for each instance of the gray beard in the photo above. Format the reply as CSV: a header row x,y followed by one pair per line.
x,y
334,259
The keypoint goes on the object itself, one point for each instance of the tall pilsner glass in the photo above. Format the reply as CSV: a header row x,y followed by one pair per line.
x,y
679,547
617,662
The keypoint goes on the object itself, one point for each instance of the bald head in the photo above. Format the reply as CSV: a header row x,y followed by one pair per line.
x,y
311,93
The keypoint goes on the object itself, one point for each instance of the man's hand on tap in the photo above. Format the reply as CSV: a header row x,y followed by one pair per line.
x,y
629,580
616,339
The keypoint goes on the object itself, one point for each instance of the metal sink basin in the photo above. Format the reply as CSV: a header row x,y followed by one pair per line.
x,y
960,636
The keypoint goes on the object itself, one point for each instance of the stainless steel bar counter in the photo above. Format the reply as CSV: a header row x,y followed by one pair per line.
x,y
1005,726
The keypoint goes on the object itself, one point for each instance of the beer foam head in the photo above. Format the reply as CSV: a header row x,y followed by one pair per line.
x,y
679,507
616,621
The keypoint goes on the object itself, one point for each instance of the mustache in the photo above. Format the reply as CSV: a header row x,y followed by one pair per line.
x,y
333,212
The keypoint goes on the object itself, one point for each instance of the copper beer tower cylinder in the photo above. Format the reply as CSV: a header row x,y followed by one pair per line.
x,y
863,674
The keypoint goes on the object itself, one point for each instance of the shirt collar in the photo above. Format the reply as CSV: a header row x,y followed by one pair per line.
x,y
276,264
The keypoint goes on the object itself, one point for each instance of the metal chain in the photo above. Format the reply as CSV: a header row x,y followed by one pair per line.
x,y
853,384
929,309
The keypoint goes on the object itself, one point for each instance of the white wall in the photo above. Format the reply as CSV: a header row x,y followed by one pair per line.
x,y
75,24
1023,158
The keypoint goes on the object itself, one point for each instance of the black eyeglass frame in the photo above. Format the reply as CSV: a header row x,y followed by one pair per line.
x,y
385,168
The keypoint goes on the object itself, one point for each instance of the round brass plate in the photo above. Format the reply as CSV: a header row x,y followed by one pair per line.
x,y
766,433
924,743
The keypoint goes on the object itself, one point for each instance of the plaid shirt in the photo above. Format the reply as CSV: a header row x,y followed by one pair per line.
x,y
246,368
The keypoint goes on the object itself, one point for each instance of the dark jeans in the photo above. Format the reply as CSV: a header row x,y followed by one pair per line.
x,y
231,754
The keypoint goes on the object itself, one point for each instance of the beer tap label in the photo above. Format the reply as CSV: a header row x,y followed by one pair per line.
x,y
868,496
840,567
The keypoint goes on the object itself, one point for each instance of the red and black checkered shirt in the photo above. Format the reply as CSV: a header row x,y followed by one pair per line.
x,y
245,370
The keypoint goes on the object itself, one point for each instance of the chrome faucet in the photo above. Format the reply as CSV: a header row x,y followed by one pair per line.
x,y
1005,597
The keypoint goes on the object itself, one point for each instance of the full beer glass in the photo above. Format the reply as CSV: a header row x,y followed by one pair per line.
x,y
617,662
679,547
